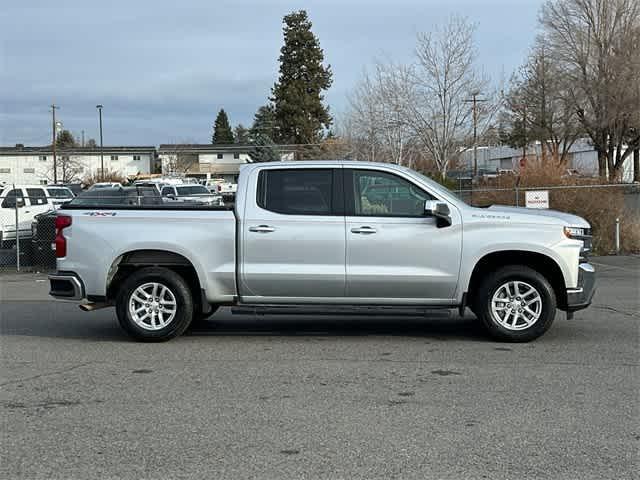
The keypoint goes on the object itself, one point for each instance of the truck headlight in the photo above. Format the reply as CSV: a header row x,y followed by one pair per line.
x,y
574,232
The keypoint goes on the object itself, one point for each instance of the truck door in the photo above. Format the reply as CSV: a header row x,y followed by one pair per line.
x,y
394,252
293,235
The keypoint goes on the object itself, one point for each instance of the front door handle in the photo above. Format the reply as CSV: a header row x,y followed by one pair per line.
x,y
262,229
364,229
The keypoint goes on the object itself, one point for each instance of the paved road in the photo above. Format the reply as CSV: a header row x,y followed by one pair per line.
x,y
338,398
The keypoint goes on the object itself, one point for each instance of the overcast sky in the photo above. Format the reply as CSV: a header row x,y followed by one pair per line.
x,y
164,68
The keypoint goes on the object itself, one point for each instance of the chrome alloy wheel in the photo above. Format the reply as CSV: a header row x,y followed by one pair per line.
x,y
516,305
152,306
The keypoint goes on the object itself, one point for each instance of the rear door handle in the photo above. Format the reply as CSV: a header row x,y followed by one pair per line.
x,y
262,229
364,229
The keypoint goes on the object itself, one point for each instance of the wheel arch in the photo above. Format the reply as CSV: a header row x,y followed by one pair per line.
x,y
128,262
544,264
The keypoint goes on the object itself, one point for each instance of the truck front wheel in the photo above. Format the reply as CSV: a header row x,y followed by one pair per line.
x,y
154,304
516,304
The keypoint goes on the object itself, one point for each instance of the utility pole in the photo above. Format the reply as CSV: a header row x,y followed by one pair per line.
x,y
474,101
99,107
83,138
53,144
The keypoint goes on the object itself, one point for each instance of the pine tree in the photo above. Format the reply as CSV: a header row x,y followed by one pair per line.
x,y
65,139
300,115
264,122
241,135
222,133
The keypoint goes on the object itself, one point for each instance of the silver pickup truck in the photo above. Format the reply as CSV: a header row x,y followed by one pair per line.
x,y
330,235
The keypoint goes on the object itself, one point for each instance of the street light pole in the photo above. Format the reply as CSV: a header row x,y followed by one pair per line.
x,y
53,144
99,107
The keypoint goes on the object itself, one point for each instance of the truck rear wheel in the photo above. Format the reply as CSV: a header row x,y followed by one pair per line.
x,y
154,304
516,304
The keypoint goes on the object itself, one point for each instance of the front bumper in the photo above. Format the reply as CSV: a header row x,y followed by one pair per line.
x,y
66,286
580,297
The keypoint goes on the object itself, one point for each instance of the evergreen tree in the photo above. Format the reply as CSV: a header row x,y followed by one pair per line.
x,y
264,122
241,135
65,139
300,115
222,133
262,134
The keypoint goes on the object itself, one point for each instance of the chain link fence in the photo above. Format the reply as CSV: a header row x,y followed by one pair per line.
x,y
27,234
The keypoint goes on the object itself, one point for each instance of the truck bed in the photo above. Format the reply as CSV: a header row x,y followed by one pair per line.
x,y
205,236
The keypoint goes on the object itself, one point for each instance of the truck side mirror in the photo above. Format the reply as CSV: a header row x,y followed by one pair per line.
x,y
439,210
19,202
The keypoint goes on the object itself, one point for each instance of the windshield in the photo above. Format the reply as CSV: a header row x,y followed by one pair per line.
x,y
59,192
193,190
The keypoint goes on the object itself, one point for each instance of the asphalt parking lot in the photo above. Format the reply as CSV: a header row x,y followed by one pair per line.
x,y
320,397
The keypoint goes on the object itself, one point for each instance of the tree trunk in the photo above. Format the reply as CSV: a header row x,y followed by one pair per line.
x,y
602,162
636,165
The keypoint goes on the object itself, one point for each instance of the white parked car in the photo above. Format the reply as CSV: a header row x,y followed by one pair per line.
x,y
191,193
26,201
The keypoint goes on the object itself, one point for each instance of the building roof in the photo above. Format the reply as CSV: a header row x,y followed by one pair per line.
x,y
212,148
47,150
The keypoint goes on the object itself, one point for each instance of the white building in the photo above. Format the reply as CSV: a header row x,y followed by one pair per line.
x,y
34,165
582,157
207,160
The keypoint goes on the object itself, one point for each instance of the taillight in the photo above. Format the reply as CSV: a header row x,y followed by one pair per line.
x,y
62,222
219,188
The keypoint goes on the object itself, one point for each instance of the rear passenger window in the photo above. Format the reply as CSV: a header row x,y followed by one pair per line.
x,y
37,196
296,191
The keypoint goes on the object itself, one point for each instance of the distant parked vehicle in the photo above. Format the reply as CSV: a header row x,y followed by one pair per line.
x,y
21,203
99,185
226,189
59,195
119,196
150,184
192,193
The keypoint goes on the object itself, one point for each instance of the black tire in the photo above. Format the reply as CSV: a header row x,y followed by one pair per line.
x,y
183,299
519,273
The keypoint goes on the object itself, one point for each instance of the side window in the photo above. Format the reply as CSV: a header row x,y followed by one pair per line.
x,y
10,200
381,194
37,196
296,191
166,191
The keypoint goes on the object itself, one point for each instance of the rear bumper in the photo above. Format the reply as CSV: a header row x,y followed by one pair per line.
x,y
580,297
66,286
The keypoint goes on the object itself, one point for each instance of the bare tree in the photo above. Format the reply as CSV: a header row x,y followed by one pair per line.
x,y
419,113
596,45
69,169
377,119
442,79
179,159
538,109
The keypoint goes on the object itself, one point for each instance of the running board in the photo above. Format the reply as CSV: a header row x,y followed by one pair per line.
x,y
390,311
